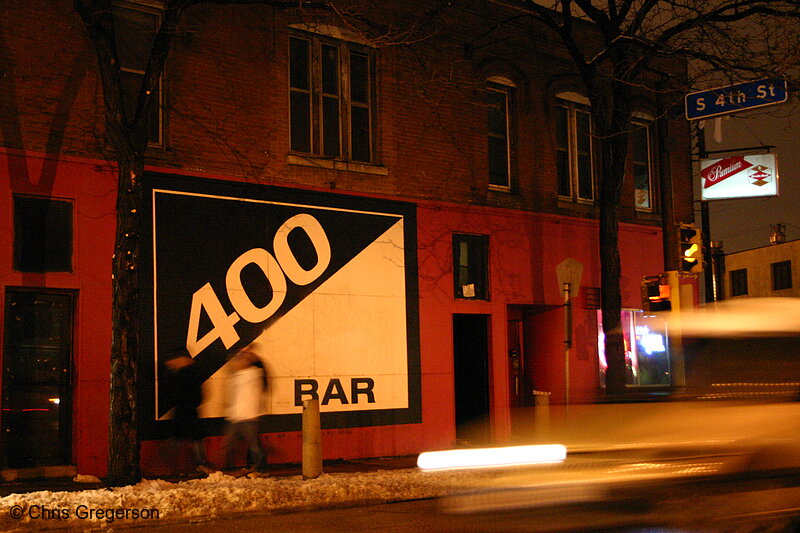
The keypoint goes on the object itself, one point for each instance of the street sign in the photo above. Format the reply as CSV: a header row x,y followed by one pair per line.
x,y
733,98
569,272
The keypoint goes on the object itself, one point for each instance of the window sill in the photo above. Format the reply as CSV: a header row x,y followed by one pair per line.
x,y
160,155
332,164
571,203
649,216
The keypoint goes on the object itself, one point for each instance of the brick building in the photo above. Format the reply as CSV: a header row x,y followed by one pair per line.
x,y
382,224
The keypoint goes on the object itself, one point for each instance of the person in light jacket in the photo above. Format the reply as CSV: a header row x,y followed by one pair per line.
x,y
247,384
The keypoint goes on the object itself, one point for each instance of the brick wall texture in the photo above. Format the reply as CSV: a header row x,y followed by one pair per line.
x,y
226,101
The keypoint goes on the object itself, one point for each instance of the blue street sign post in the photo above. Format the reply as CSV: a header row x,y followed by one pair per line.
x,y
733,98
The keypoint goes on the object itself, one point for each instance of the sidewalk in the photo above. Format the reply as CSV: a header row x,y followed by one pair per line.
x,y
65,505
22,486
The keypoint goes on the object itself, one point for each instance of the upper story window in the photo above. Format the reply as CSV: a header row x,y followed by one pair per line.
x,y
135,29
781,275
642,148
42,234
739,282
498,94
331,98
574,148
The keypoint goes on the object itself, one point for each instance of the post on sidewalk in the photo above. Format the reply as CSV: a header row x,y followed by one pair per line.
x,y
567,341
569,273
312,440
541,414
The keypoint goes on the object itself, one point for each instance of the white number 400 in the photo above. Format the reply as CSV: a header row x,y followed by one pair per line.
x,y
276,269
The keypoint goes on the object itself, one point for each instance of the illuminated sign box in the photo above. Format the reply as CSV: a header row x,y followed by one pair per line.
x,y
745,176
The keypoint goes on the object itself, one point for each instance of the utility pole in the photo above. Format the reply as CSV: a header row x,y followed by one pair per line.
x,y
705,225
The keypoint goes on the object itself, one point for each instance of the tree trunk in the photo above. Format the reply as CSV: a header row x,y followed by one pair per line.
x,y
610,272
129,138
123,453
612,116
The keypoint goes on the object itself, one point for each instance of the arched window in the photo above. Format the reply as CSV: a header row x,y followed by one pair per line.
x,y
574,148
642,154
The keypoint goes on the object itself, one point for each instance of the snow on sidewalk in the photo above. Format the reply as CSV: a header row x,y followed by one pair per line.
x,y
219,495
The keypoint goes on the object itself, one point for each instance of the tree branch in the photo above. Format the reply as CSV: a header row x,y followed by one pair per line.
x,y
731,12
305,4
640,16
97,17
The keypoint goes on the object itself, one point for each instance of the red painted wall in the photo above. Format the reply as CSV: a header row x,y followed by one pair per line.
x,y
92,188
524,251
432,146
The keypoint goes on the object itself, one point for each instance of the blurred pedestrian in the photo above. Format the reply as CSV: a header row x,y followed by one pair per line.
x,y
185,386
246,386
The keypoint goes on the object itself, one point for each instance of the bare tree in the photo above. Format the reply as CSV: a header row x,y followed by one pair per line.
x,y
128,133
634,34
740,39
129,138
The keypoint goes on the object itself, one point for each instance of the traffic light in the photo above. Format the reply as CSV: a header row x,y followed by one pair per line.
x,y
690,249
655,294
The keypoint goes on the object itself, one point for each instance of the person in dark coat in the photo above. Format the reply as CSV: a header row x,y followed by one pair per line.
x,y
185,384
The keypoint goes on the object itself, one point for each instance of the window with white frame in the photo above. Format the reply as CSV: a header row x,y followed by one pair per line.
x,y
135,28
498,94
574,149
331,98
642,148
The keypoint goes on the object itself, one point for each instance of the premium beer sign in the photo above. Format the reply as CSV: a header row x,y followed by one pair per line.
x,y
322,287
739,177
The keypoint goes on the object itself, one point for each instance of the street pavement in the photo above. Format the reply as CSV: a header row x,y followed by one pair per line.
x,y
736,506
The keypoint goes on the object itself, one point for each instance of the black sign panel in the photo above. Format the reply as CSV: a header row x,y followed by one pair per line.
x,y
321,286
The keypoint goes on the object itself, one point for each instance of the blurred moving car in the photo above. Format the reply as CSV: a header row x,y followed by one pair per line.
x,y
734,411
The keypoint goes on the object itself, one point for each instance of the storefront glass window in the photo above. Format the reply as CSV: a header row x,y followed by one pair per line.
x,y
647,359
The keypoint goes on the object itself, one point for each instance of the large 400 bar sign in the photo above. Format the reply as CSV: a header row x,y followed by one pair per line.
x,y
297,277
275,271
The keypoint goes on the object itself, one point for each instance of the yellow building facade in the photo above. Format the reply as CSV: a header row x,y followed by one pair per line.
x,y
767,271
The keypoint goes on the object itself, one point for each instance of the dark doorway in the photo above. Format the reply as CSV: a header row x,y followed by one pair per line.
x,y
471,355
37,392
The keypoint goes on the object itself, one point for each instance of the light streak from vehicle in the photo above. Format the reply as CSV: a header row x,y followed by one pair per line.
x,y
492,457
